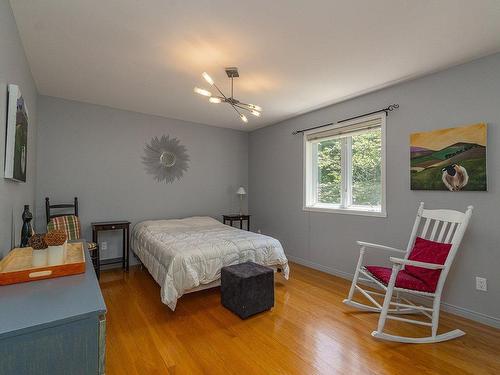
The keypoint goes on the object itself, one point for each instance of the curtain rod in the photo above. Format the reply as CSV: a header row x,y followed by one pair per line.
x,y
390,108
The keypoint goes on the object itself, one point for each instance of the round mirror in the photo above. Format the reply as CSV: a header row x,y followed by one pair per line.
x,y
167,159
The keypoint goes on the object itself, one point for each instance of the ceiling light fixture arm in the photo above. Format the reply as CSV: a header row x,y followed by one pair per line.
x,y
249,106
236,109
220,92
241,107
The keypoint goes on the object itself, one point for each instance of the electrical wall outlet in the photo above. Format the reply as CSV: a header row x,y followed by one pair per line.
x,y
481,284
104,245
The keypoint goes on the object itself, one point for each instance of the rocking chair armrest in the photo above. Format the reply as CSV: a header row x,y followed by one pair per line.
x,y
407,262
381,247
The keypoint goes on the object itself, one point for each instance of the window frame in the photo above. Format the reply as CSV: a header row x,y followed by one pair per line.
x,y
310,170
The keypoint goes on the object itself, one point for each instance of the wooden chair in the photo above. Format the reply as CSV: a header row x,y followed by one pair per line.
x,y
440,233
70,223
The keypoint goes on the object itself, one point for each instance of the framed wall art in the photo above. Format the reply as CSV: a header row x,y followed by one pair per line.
x,y
451,159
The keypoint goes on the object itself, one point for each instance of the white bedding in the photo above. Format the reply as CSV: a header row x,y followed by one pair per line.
x,y
182,254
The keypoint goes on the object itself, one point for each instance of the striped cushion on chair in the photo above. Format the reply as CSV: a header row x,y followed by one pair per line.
x,y
69,223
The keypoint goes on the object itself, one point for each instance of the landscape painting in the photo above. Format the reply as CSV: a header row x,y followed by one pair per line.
x,y
452,159
16,139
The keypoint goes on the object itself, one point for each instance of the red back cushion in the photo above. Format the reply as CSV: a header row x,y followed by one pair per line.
x,y
428,252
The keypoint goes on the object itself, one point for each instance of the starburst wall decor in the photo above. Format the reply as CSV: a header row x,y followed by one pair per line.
x,y
165,158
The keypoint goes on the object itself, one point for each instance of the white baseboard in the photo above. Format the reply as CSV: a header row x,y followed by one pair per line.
x,y
453,309
319,267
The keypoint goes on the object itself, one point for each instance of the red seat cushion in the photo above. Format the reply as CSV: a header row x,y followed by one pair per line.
x,y
403,280
417,278
428,252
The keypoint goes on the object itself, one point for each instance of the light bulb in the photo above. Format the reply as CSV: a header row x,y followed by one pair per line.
x,y
244,118
207,78
202,92
214,100
256,107
255,113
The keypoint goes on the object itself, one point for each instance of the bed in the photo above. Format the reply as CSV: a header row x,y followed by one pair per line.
x,y
185,255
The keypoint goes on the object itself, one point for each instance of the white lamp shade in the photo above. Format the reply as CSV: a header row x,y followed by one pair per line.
x,y
241,191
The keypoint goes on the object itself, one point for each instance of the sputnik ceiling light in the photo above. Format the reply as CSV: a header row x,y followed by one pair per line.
x,y
235,103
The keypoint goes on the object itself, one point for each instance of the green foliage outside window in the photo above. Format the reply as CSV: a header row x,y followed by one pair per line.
x,y
329,171
366,169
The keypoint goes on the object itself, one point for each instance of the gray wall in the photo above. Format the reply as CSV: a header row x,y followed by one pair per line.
x,y
14,69
94,153
462,95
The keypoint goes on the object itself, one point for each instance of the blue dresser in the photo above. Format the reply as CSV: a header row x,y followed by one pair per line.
x,y
54,326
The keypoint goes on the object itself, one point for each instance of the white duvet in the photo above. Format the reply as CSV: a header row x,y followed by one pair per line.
x,y
182,254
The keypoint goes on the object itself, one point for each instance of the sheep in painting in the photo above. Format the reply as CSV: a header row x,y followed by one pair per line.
x,y
455,177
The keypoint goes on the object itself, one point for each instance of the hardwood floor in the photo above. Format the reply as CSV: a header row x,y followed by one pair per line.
x,y
309,331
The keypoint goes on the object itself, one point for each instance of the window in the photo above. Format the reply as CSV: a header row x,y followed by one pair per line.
x,y
344,167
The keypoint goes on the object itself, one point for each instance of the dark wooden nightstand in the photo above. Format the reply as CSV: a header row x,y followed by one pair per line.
x,y
114,225
240,218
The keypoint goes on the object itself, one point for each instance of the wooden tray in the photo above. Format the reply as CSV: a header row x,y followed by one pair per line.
x,y
17,266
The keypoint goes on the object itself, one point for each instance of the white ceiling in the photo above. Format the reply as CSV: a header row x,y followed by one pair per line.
x,y
293,56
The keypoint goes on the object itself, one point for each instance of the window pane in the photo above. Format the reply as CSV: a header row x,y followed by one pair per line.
x,y
366,168
329,171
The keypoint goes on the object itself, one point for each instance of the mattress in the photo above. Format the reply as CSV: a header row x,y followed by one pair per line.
x,y
183,254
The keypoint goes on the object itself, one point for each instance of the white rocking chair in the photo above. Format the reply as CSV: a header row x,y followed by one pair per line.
x,y
442,226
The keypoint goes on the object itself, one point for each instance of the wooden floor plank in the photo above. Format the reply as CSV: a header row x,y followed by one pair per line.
x,y
309,331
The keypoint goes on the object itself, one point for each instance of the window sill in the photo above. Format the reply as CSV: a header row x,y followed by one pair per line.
x,y
346,211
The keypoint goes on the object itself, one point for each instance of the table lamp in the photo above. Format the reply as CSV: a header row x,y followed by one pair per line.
x,y
241,192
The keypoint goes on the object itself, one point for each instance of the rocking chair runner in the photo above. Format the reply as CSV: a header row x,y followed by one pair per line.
x,y
441,233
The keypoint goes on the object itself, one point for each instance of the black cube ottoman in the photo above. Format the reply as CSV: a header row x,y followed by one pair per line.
x,y
247,288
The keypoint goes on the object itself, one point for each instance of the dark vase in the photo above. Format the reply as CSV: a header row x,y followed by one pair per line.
x,y
27,230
